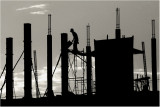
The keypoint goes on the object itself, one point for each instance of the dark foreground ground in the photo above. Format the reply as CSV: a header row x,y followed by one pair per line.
x,y
139,99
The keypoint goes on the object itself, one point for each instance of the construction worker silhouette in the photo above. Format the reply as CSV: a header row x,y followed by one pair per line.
x,y
75,40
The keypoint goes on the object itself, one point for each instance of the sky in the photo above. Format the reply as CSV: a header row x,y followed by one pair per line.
x,y
135,19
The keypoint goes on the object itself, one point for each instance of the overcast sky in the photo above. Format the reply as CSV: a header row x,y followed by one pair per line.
x,y
135,20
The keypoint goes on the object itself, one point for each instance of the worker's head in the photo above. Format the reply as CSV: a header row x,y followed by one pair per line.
x,y
71,30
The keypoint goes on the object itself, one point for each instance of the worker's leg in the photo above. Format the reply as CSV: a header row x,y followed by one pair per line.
x,y
75,47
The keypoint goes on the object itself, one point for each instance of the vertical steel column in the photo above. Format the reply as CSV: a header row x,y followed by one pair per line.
x,y
118,33
83,71
154,58
89,71
154,65
49,66
27,62
9,68
49,60
64,63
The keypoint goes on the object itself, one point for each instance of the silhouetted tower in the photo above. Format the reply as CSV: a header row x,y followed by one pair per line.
x,y
118,30
49,60
9,68
27,62
89,63
64,63
154,58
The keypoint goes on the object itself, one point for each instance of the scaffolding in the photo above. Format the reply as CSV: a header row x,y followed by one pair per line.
x,y
77,77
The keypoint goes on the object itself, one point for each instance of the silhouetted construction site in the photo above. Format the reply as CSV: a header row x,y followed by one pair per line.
x,y
114,82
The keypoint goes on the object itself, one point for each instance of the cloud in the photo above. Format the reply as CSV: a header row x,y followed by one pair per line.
x,y
42,79
39,6
42,82
39,12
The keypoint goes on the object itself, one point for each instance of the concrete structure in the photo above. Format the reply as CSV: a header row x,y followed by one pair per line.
x,y
64,63
49,60
9,68
89,63
114,66
154,58
27,62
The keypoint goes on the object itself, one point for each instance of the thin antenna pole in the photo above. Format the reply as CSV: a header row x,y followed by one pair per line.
x,y
153,28
49,24
88,35
118,30
118,18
